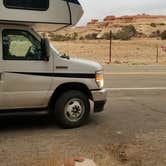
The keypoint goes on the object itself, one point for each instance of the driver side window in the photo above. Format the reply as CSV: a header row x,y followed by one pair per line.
x,y
20,45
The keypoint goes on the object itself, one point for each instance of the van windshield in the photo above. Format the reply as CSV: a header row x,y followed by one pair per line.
x,y
55,50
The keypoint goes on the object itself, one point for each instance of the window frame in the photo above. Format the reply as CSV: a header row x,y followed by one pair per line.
x,y
21,59
26,8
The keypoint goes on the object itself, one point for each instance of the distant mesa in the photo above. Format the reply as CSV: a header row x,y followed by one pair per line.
x,y
93,21
146,26
109,18
126,17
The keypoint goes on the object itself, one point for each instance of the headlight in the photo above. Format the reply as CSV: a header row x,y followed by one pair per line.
x,y
100,79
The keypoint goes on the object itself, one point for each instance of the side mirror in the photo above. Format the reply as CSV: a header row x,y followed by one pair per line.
x,y
45,45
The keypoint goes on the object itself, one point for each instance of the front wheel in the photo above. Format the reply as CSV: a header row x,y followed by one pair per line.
x,y
72,109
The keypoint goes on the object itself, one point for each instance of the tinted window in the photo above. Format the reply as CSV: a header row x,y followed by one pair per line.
x,y
27,4
20,45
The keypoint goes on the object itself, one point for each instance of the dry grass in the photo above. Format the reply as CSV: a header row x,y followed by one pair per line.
x,y
136,51
145,150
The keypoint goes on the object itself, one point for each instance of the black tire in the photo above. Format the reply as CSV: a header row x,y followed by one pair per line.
x,y
72,109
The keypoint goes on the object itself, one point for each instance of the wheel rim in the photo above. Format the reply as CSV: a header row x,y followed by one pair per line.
x,y
74,110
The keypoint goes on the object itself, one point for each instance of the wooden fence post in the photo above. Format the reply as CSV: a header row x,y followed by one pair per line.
x,y
157,54
110,49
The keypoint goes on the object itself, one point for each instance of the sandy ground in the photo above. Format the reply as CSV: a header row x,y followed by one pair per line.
x,y
135,51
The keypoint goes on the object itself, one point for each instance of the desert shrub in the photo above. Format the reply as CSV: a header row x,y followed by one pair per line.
x,y
129,28
158,32
162,24
140,35
117,62
106,36
155,34
163,35
58,37
81,38
66,37
73,36
153,25
91,36
126,33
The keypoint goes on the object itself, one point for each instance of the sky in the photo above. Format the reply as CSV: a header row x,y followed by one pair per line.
x,y
101,8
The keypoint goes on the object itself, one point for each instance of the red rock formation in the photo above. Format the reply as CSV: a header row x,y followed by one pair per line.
x,y
132,17
109,18
93,21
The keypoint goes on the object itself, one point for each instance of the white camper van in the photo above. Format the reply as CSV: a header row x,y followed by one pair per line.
x,y
34,76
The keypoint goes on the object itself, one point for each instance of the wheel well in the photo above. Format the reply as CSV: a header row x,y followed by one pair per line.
x,y
66,87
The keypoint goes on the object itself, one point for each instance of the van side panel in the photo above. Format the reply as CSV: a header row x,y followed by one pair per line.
x,y
25,90
21,88
2,104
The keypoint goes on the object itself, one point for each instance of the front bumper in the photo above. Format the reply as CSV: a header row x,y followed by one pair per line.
x,y
99,98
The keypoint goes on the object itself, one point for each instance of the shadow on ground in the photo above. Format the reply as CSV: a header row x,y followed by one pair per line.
x,y
30,121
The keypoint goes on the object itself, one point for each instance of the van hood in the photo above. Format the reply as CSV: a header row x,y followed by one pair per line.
x,y
74,65
80,65
85,65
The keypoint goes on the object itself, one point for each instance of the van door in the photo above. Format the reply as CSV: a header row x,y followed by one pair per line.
x,y
25,83
2,104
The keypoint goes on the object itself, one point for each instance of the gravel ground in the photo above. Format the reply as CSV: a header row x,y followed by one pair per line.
x,y
109,140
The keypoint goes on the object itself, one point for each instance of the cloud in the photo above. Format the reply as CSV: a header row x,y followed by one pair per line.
x,y
101,8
